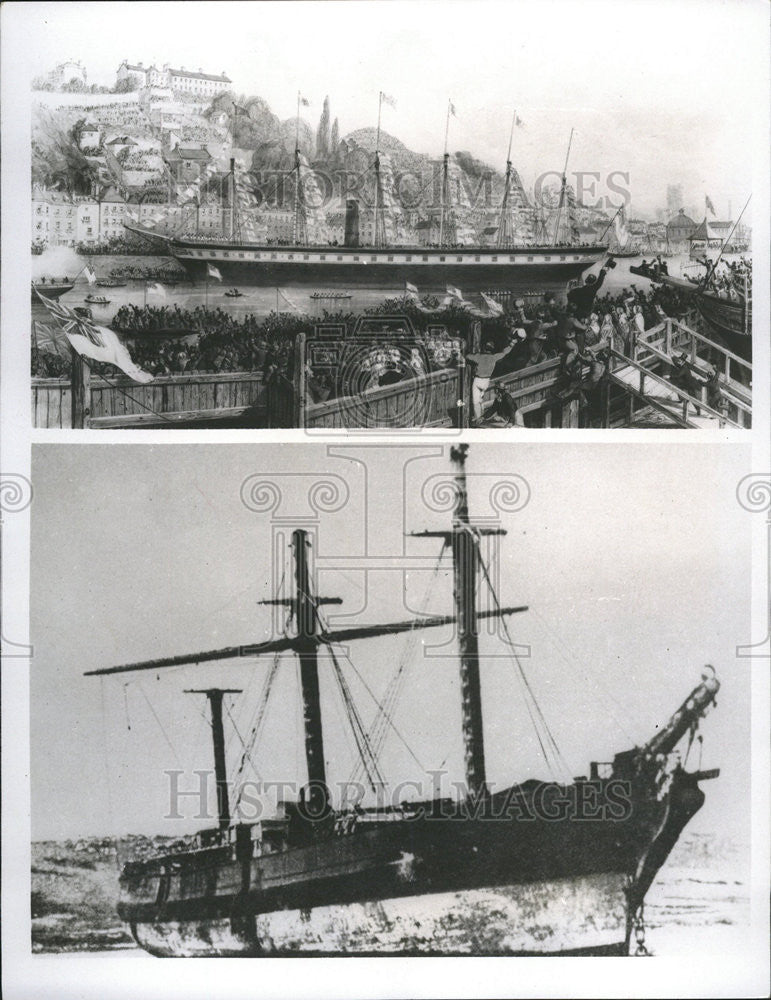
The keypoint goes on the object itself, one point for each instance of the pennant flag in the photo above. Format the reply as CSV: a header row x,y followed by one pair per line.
x,y
495,308
708,203
157,289
96,342
410,289
455,293
387,99
303,100
453,112
90,276
213,272
518,121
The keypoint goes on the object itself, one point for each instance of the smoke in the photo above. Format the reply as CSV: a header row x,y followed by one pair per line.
x,y
56,262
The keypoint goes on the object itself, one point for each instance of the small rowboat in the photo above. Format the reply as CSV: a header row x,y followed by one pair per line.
x,y
233,293
97,300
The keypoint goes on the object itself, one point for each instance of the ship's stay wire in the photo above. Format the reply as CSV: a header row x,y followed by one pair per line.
x,y
556,753
573,662
386,709
361,739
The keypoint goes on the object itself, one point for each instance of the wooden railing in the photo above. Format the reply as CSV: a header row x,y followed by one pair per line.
x,y
170,399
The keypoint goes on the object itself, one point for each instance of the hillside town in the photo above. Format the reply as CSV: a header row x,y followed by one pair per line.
x,y
155,150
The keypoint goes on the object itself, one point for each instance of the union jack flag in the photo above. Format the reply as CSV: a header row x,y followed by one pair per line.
x,y
71,322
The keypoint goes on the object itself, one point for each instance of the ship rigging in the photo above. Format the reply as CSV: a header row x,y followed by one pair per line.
x,y
436,876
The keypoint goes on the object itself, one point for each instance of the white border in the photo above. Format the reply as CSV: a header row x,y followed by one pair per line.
x,y
27,976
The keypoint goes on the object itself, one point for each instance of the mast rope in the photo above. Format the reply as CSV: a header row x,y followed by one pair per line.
x,y
386,709
573,662
559,759
363,744
160,725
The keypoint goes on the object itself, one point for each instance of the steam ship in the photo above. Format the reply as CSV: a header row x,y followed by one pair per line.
x,y
519,266
538,868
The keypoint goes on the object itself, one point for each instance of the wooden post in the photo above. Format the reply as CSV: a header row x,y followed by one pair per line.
x,y
462,405
668,337
80,383
300,382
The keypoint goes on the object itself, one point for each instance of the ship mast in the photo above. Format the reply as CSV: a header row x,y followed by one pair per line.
x,y
464,542
503,232
563,189
214,697
444,193
310,634
299,230
375,241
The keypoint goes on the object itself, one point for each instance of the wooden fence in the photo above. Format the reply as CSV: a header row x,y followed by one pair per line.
x,y
170,399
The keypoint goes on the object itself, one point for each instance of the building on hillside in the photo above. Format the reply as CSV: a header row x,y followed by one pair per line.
x,y
89,135
68,73
187,163
119,143
54,218
182,81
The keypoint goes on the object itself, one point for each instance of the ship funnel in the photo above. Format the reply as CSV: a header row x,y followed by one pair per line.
x,y
351,223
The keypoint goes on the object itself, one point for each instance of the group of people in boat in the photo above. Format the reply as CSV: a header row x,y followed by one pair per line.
x,y
730,280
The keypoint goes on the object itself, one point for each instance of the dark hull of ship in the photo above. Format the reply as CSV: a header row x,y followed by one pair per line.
x,y
512,885
470,269
50,291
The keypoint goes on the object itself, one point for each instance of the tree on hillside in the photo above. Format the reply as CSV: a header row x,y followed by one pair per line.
x,y
322,133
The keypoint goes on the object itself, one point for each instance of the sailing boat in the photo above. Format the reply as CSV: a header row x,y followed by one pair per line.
x,y
525,871
547,265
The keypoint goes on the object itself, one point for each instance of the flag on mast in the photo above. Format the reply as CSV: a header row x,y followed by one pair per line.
x,y
90,276
452,110
304,102
157,288
387,99
708,204
455,293
213,272
410,289
96,342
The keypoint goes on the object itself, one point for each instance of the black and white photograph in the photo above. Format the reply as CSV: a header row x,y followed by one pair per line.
x,y
398,700
385,499
379,228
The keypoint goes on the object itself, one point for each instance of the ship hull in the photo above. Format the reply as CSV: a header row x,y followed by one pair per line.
x,y
569,916
431,270
500,886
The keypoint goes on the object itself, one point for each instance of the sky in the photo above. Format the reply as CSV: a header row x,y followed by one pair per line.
x,y
664,92
634,563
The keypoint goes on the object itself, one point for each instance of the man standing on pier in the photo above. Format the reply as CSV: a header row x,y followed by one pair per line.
x,y
485,363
